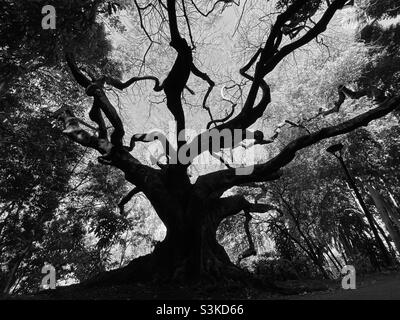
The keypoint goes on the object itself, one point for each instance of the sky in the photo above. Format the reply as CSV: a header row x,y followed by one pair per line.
x,y
221,57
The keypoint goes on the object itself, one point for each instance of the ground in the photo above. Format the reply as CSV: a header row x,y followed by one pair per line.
x,y
380,286
373,287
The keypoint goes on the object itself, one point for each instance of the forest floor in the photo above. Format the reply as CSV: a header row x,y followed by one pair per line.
x,y
382,286
379,286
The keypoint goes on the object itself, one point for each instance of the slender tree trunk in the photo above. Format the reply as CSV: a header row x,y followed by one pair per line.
x,y
308,252
11,276
384,236
348,248
333,259
370,218
383,209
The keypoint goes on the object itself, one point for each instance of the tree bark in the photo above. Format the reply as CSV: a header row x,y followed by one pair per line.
x,y
190,251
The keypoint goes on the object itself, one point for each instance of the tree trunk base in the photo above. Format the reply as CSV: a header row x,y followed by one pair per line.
x,y
215,270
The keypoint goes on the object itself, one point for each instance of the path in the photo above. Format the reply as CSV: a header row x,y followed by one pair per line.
x,y
384,288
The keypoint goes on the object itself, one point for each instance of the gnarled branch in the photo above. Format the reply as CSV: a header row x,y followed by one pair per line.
x,y
224,180
123,85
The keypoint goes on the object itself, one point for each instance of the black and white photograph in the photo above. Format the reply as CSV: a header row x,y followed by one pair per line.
x,y
199,157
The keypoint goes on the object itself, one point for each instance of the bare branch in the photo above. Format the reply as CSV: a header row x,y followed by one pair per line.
x,y
375,93
188,24
123,85
251,251
233,205
126,198
77,134
100,104
78,75
320,26
177,78
169,151
226,2
223,180
228,115
204,76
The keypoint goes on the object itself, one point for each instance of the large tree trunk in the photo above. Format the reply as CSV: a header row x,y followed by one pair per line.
x,y
190,212
189,252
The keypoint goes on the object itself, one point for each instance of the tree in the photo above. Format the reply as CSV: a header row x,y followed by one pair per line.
x,y
192,211
38,166
34,179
